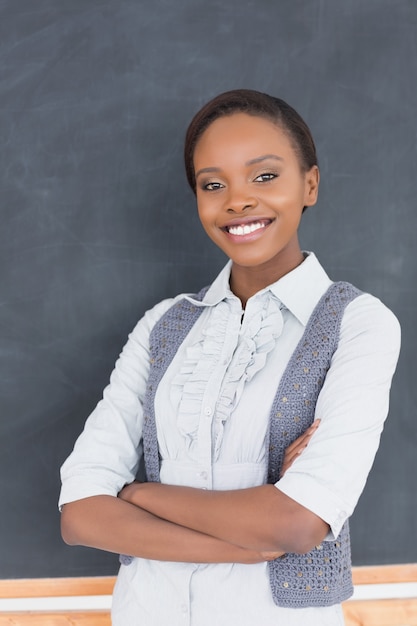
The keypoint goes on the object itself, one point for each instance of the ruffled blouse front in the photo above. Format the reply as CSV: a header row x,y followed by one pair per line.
x,y
223,354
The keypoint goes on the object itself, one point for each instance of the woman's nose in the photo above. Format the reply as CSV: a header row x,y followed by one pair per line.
x,y
239,201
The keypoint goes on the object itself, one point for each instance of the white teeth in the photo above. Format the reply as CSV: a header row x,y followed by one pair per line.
x,y
246,229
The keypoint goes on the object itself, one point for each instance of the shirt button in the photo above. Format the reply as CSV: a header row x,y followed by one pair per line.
x,y
184,608
203,475
207,411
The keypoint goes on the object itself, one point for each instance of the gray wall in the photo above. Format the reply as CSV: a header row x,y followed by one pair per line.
x,y
97,223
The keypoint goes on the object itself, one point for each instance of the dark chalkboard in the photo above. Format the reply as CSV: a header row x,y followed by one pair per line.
x,y
97,223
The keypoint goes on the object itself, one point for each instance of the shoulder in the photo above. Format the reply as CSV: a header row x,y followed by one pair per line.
x,y
368,311
371,320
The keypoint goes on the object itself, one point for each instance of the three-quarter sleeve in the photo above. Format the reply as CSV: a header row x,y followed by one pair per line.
x,y
330,474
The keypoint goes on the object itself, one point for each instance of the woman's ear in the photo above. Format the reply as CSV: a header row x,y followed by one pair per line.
x,y
312,181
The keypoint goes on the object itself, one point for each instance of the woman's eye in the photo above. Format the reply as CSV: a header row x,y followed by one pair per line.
x,y
213,186
264,178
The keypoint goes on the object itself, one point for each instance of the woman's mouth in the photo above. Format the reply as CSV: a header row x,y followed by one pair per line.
x,y
249,228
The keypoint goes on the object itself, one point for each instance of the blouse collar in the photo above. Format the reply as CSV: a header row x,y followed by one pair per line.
x,y
299,290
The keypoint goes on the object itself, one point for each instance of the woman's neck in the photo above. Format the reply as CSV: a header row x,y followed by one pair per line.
x,y
245,282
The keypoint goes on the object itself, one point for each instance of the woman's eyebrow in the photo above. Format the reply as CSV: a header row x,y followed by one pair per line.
x,y
207,170
264,157
216,170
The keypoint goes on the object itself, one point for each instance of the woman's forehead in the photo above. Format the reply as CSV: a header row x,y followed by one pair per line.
x,y
240,134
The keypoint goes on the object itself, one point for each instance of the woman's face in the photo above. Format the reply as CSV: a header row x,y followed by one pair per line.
x,y
251,191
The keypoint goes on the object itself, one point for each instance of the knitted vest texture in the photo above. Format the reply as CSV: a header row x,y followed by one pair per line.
x,y
323,576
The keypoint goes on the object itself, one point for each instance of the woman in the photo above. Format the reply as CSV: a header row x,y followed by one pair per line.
x,y
240,521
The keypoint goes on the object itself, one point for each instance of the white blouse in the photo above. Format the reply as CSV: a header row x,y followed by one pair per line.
x,y
212,412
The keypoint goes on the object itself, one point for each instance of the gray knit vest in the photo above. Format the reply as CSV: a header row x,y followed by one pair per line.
x,y
321,577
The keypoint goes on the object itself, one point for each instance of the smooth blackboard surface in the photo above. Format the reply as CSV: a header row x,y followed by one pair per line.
x,y
97,223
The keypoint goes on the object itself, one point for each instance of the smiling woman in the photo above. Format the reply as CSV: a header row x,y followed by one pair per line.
x,y
249,401
251,198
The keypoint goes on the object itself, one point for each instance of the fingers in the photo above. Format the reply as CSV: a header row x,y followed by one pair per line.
x,y
297,446
301,442
271,556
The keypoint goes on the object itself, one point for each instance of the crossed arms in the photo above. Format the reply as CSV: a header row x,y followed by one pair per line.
x,y
170,523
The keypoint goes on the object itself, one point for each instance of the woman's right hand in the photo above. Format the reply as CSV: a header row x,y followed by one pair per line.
x,y
298,446
271,556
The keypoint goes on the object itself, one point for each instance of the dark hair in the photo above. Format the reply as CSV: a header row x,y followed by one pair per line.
x,y
257,104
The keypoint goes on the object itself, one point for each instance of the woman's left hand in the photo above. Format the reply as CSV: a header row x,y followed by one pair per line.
x,y
297,447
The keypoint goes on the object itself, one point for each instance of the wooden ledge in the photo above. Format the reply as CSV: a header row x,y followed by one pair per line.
x,y
385,574
399,612
384,612
103,585
75,618
53,587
